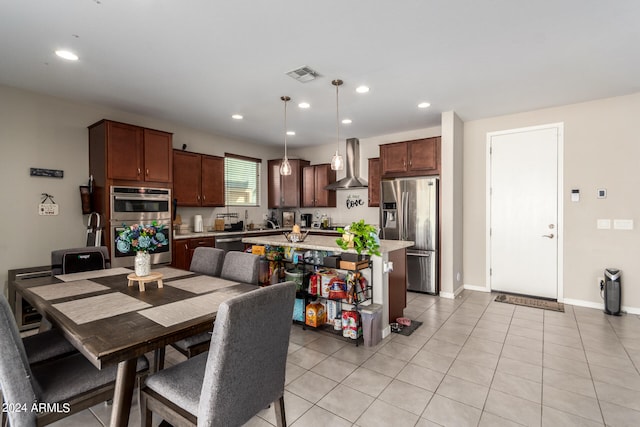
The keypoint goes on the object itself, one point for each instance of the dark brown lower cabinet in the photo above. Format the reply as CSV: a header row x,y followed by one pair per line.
x,y
183,250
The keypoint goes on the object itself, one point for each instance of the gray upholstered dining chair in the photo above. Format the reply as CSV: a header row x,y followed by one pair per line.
x,y
46,345
69,384
207,261
242,373
241,267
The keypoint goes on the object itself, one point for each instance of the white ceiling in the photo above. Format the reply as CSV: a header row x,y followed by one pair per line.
x,y
197,62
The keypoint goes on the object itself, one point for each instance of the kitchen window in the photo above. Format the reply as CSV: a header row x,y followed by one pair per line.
x,y
241,180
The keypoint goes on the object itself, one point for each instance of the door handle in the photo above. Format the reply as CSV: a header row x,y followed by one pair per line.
x,y
549,236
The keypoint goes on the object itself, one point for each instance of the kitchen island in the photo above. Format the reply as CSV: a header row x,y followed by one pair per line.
x,y
391,294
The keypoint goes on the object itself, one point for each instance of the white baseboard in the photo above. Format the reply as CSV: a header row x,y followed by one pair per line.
x,y
477,288
598,305
451,295
386,332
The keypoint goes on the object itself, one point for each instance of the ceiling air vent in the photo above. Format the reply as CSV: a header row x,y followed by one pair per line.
x,y
303,74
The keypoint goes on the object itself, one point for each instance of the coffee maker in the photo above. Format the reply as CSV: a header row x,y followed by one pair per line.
x,y
305,220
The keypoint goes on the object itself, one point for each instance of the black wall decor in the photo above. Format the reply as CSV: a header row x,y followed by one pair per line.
x,y
49,173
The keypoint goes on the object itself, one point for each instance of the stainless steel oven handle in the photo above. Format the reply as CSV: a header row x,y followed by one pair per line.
x,y
145,198
229,240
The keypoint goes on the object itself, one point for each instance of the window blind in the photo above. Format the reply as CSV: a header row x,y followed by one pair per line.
x,y
241,180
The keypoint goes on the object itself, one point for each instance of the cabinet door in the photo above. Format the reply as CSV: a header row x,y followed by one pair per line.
x,y
274,191
180,254
374,182
186,178
291,186
423,154
309,186
157,156
124,152
324,176
393,157
212,181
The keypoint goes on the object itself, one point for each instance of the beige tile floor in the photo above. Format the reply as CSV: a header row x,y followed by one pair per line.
x,y
473,362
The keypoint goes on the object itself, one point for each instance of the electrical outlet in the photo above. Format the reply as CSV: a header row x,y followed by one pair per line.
x,y
600,281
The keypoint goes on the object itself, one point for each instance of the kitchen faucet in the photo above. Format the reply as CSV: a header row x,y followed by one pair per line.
x,y
273,224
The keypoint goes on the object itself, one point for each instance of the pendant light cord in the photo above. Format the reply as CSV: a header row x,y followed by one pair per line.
x,y
285,128
337,121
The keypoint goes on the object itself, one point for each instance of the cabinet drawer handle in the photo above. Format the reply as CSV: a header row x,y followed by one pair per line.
x,y
204,197
138,171
198,197
147,172
202,243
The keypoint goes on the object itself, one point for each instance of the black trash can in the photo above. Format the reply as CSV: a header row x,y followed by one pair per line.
x,y
612,291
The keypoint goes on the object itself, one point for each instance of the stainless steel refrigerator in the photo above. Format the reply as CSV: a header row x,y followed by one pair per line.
x,y
409,211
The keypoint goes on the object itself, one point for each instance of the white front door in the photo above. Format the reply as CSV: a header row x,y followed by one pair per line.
x,y
523,210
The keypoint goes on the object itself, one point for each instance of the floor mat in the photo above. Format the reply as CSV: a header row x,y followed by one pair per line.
x,y
407,330
531,302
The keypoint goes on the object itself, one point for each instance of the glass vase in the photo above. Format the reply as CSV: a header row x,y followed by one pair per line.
x,y
142,263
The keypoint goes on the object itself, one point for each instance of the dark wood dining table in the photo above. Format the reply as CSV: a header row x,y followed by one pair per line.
x,y
112,323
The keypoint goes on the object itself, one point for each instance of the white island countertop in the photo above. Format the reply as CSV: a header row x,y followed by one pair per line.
x,y
322,243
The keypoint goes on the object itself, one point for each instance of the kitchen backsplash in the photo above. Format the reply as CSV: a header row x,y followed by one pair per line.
x,y
351,206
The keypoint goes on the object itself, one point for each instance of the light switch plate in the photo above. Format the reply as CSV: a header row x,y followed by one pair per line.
x,y
604,224
623,224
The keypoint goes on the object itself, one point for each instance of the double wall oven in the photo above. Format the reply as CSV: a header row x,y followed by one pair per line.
x,y
139,205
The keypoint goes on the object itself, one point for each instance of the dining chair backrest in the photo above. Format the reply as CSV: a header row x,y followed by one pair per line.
x,y
241,267
246,364
207,261
18,386
75,260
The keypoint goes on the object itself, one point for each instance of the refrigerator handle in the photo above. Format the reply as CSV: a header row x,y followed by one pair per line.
x,y
405,213
401,216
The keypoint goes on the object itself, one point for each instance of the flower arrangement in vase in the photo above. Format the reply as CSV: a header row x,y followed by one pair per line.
x,y
141,239
361,237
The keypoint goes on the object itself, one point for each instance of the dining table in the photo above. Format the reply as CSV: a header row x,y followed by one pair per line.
x,y
110,322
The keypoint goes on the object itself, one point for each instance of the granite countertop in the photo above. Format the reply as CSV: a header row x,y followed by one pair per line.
x,y
322,243
265,232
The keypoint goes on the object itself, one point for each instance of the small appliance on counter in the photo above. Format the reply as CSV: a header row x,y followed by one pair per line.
x,y
288,219
198,226
325,222
305,220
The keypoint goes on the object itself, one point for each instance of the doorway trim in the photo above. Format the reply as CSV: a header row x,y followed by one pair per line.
x,y
560,194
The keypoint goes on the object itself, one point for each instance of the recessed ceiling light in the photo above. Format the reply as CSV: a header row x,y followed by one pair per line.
x,y
346,121
237,117
65,54
362,89
304,105
290,133
424,105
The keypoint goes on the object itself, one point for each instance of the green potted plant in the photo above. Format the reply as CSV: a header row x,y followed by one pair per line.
x,y
361,237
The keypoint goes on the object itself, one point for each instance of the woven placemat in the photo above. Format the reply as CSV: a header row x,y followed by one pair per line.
x,y
531,302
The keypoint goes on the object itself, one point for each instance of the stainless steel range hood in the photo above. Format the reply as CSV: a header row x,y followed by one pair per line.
x,y
352,168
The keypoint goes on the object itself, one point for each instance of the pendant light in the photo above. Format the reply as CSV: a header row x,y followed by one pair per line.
x,y
285,166
337,163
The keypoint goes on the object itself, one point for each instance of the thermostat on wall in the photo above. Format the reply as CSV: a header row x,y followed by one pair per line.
x,y
575,195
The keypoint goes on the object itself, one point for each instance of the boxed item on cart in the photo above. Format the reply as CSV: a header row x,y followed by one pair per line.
x,y
315,314
333,310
